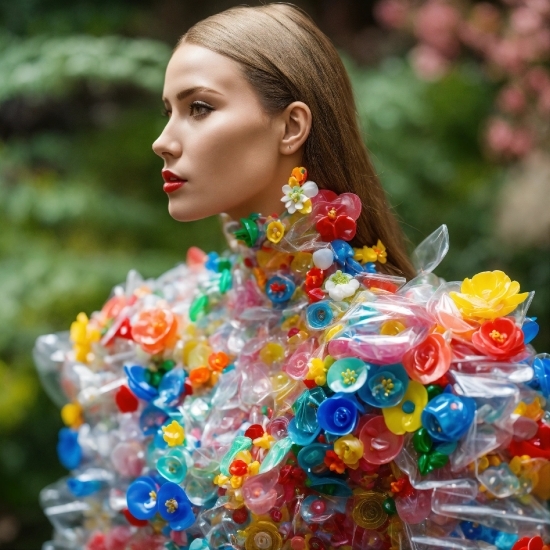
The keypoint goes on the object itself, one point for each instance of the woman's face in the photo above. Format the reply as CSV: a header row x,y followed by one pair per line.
x,y
221,149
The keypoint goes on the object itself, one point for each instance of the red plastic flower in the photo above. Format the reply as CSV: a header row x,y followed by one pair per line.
x,y
428,361
536,447
334,462
500,338
335,215
125,400
155,330
314,278
530,543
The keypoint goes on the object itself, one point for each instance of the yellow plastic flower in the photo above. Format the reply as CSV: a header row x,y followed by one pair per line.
x,y
380,251
317,371
532,410
236,482
253,468
349,449
71,414
405,416
275,231
364,255
220,480
83,336
272,353
265,441
173,434
262,535
488,295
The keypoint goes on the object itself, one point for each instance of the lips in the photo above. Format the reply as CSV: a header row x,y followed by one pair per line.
x,y
172,181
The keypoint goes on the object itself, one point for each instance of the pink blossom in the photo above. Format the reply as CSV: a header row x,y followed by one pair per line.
x,y
391,13
507,55
499,135
543,104
428,64
512,100
537,79
540,6
436,25
522,142
525,21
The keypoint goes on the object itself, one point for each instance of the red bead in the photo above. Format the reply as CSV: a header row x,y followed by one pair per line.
x,y
187,387
293,331
238,468
318,507
248,263
240,515
315,295
254,431
298,475
125,400
309,384
133,520
276,515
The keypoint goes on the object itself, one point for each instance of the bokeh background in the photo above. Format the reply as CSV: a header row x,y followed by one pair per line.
x,y
454,101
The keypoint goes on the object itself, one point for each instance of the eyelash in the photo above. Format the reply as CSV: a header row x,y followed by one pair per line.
x,y
194,105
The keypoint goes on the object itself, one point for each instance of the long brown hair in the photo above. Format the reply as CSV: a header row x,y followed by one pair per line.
x,y
286,58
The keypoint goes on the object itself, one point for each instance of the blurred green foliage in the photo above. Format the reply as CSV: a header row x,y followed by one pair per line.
x,y
81,203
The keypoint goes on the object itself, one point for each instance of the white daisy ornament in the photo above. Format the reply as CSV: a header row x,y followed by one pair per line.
x,y
341,285
297,197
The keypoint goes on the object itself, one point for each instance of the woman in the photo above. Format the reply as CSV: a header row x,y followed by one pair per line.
x,y
296,392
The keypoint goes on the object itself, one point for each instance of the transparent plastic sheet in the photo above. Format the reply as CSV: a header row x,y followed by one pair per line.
x,y
431,251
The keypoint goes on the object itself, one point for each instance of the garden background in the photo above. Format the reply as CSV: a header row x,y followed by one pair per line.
x,y
453,97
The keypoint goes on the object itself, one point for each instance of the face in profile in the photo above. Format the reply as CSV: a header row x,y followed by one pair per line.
x,y
221,150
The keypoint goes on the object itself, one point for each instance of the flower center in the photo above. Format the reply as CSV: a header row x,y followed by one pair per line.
x,y
498,336
153,495
296,194
408,407
171,505
339,278
385,386
349,377
262,540
331,214
341,416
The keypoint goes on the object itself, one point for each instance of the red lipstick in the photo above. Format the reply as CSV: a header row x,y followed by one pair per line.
x,y
172,181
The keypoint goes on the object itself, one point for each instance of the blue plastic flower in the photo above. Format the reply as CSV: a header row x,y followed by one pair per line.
x,y
353,267
319,315
370,267
69,450
447,417
541,380
151,419
342,251
385,386
212,261
337,415
138,384
302,437
141,498
530,329
171,387
175,507
280,289
173,465
81,488
347,375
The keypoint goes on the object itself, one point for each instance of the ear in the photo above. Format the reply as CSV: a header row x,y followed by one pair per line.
x,y
297,125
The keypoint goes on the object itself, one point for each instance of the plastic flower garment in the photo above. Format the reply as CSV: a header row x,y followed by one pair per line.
x,y
349,449
429,360
155,330
500,338
141,498
297,197
488,295
385,386
341,285
173,434
406,415
174,506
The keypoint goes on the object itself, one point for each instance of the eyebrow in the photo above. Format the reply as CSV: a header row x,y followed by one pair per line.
x,y
190,91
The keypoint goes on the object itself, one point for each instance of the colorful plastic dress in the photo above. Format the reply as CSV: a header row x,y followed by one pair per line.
x,y
289,395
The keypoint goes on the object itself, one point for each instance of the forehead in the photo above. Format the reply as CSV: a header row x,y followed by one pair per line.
x,y
191,66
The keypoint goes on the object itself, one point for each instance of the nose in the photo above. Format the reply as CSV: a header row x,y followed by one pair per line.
x,y
167,145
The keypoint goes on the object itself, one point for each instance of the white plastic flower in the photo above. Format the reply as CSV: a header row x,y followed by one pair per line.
x,y
296,198
341,285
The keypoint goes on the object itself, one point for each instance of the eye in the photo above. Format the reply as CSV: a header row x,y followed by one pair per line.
x,y
166,112
199,109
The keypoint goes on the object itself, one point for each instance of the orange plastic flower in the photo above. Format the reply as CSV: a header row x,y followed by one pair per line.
x,y
155,330
218,361
334,462
200,375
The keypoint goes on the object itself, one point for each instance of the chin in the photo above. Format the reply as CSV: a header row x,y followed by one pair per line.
x,y
187,213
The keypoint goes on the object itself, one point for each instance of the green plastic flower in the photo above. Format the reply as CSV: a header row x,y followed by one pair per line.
x,y
347,375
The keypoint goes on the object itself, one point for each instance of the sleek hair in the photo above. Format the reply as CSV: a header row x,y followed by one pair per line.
x,y
286,58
